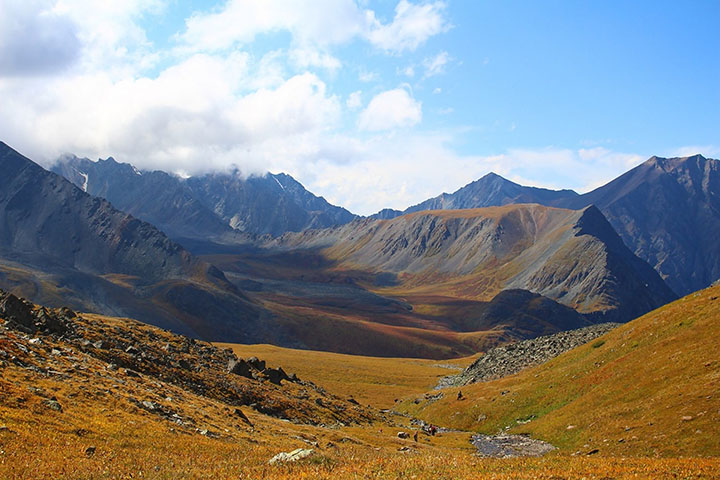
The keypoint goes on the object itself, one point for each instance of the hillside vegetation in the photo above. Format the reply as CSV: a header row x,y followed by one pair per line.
x,y
648,388
92,397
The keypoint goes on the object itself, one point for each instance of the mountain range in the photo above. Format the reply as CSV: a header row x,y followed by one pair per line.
x,y
666,210
63,246
212,205
269,261
571,256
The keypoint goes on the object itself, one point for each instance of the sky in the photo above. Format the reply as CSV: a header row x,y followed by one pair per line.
x,y
370,103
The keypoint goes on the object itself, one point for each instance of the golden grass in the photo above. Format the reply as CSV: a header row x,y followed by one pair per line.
x,y
635,377
369,380
647,388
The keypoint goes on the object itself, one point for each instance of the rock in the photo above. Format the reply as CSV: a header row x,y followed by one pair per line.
x,y
90,451
54,404
244,418
35,341
132,350
403,435
509,446
293,456
257,364
131,373
509,359
687,418
239,367
275,375
593,451
152,406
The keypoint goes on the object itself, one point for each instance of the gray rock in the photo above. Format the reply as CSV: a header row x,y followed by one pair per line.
x,y
293,456
509,359
509,446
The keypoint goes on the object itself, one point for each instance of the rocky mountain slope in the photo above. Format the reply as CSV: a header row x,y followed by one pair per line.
x,y
574,257
62,246
510,359
492,190
211,205
668,211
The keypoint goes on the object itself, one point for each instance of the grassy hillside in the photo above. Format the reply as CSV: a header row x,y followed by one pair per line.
x,y
102,400
647,388
370,380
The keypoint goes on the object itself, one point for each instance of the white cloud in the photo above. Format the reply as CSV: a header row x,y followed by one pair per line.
x,y
436,65
688,150
308,57
367,77
354,100
408,71
34,39
313,22
390,109
397,171
194,116
412,26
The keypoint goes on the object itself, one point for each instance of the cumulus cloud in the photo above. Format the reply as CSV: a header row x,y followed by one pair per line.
x,y
390,109
313,22
34,39
397,171
412,26
194,116
308,57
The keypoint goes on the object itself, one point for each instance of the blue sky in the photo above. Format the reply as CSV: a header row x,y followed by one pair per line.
x,y
370,103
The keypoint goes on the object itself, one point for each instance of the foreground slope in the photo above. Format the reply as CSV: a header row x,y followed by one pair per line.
x,y
573,257
646,388
91,397
59,245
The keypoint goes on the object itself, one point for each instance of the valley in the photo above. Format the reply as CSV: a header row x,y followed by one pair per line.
x,y
108,396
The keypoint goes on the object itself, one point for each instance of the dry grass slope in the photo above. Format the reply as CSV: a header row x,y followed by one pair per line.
x,y
648,388
98,409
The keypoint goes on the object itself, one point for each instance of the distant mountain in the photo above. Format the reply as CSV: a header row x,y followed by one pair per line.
x,y
668,211
212,205
490,191
573,257
270,204
63,246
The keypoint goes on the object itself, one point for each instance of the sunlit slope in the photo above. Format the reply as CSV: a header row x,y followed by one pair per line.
x,y
649,387
370,380
573,257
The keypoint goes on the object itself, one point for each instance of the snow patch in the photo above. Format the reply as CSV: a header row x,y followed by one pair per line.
x,y
137,172
85,182
278,182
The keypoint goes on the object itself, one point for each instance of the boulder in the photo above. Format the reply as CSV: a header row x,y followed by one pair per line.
x,y
257,364
239,367
293,456
275,375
